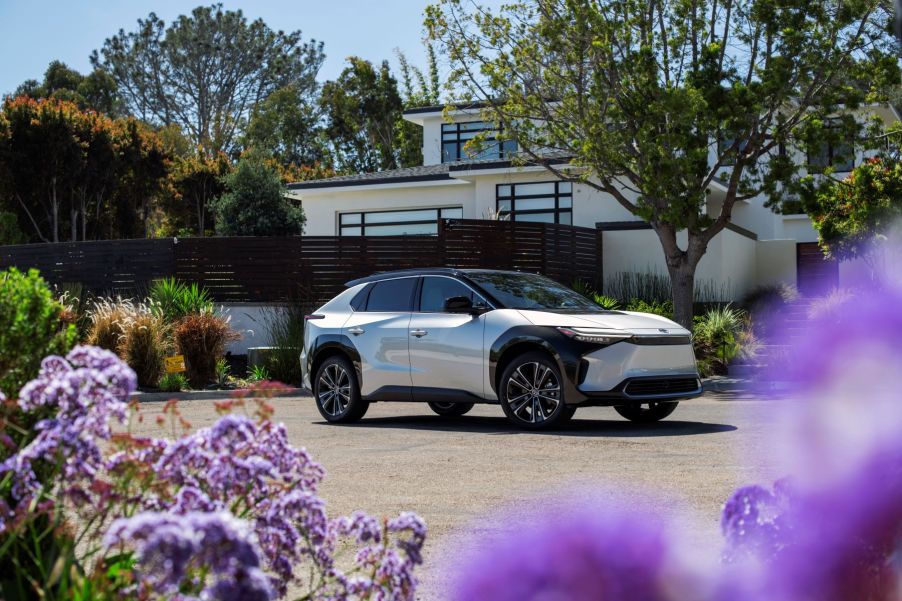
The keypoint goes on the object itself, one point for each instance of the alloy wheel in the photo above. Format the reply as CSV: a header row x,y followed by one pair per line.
x,y
533,392
334,389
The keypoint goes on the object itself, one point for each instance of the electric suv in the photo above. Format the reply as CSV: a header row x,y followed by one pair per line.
x,y
456,337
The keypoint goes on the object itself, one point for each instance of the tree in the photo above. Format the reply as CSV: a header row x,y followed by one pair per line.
x,y
362,109
96,91
206,71
287,126
637,94
195,181
853,215
255,203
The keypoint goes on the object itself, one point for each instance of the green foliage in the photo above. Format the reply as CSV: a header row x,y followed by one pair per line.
x,y
194,181
223,373
605,302
202,339
418,90
854,214
77,303
255,203
362,109
172,383
206,70
32,328
662,308
258,373
649,286
172,299
10,233
286,125
641,92
107,318
286,335
96,91
717,336
144,344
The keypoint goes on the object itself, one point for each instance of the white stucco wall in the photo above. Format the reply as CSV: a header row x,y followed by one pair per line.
x,y
776,262
249,320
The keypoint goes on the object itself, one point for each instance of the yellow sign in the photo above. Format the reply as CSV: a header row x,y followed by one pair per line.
x,y
175,364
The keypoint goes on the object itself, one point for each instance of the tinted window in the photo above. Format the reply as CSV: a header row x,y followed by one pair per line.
x,y
391,295
526,291
437,290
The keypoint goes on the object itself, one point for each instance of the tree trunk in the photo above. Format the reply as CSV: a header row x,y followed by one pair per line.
x,y
682,282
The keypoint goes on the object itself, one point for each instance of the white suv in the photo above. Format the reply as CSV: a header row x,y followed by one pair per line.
x,y
453,338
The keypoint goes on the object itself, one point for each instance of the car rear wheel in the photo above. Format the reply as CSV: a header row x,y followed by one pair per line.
x,y
531,393
647,413
337,393
451,409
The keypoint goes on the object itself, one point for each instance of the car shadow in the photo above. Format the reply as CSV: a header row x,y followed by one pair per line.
x,y
576,427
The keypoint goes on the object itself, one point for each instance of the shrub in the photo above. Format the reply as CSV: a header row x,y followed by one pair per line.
x,y
172,299
766,303
651,287
32,327
717,336
258,373
286,335
144,344
107,317
202,339
662,308
606,302
77,303
172,383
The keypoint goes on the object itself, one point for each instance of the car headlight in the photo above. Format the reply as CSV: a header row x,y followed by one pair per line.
x,y
595,335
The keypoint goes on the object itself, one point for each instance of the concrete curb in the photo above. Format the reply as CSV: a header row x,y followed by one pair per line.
x,y
747,388
203,395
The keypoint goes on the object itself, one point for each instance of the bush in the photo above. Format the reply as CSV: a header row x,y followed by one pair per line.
x,y
286,335
32,327
717,336
172,299
653,287
144,344
202,339
662,308
107,317
172,383
255,204
77,303
766,303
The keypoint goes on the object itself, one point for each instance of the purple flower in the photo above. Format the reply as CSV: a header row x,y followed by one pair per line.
x,y
174,549
574,555
754,521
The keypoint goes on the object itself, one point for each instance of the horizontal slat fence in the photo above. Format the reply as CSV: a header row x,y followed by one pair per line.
x,y
310,268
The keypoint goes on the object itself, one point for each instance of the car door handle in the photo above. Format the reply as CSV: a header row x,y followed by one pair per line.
x,y
356,331
418,333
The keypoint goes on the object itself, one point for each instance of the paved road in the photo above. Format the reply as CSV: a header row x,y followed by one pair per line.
x,y
452,471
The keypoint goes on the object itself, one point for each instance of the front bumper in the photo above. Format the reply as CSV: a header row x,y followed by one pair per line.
x,y
643,390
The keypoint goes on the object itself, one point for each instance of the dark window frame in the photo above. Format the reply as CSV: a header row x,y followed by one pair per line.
x,y
362,224
451,137
849,165
513,197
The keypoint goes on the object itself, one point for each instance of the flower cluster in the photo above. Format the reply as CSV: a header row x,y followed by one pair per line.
x,y
200,544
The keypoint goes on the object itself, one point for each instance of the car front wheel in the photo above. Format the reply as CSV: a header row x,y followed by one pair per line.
x,y
531,393
450,409
647,413
337,393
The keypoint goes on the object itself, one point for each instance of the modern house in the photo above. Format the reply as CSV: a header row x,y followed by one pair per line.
x,y
760,247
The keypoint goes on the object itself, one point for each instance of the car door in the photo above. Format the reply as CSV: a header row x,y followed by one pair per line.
x,y
379,331
446,349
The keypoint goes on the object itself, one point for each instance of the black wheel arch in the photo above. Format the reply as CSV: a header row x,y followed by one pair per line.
x,y
329,345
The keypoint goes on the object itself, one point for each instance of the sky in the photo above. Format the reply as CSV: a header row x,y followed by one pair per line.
x,y
35,32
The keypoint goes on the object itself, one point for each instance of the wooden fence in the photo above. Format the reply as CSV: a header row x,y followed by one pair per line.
x,y
310,268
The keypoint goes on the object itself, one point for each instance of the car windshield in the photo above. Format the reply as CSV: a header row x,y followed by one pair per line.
x,y
527,291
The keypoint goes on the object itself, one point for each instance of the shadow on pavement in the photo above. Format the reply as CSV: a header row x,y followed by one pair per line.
x,y
576,427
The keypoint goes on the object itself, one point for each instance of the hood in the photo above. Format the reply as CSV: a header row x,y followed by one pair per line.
x,y
629,321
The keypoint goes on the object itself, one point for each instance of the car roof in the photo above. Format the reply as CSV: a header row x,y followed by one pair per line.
x,y
450,271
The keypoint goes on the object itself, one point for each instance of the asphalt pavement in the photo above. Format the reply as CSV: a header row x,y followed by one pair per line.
x,y
458,472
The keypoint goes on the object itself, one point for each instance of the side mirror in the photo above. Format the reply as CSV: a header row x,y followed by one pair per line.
x,y
458,304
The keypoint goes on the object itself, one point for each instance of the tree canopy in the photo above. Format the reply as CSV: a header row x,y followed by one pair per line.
x,y
658,103
206,71
96,90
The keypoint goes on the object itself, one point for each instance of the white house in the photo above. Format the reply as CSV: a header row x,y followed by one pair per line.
x,y
760,247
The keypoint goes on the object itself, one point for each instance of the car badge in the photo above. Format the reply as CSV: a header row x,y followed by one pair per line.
x,y
662,330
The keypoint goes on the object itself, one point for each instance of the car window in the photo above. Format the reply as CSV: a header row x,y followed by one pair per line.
x,y
527,291
437,290
392,295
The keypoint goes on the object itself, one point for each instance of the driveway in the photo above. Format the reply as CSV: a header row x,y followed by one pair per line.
x,y
453,471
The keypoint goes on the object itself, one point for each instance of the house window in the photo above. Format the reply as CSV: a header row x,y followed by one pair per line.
x,y
724,145
456,135
395,223
547,202
836,153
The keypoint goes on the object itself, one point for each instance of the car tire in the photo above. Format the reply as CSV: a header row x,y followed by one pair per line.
x,y
531,391
451,409
647,413
337,393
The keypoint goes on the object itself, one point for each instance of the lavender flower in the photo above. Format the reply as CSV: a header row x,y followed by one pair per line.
x,y
754,521
171,549
577,555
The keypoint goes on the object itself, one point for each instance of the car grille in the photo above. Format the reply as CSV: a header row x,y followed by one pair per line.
x,y
661,386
